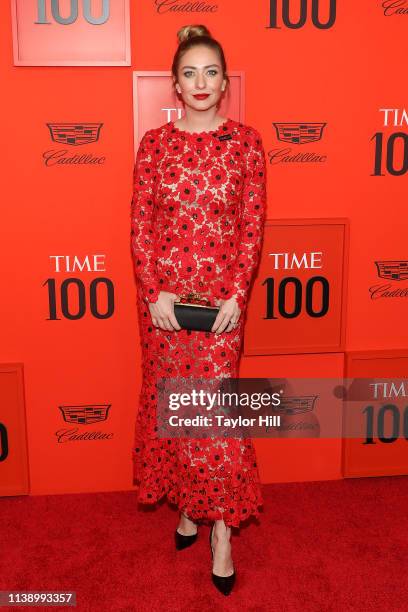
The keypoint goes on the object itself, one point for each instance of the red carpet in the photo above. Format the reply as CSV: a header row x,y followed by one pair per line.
x,y
320,546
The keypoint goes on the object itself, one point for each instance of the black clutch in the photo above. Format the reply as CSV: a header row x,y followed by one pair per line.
x,y
195,316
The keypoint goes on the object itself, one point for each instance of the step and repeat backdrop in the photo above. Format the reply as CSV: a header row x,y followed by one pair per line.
x,y
83,80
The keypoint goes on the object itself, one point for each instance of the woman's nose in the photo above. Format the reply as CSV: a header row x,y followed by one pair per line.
x,y
200,82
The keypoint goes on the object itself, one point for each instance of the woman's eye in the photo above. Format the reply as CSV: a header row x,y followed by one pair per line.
x,y
188,72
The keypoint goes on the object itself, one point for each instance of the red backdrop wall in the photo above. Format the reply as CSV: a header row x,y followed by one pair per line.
x,y
343,76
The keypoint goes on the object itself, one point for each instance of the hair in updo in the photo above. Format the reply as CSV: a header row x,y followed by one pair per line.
x,y
191,36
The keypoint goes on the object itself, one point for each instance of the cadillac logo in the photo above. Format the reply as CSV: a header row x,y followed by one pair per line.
x,y
299,133
75,134
393,270
85,415
296,405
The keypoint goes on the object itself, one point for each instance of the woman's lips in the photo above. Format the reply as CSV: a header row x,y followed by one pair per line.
x,y
201,96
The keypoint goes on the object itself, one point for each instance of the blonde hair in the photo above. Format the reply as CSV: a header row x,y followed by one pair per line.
x,y
190,36
189,31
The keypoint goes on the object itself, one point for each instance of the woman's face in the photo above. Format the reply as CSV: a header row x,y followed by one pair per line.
x,y
200,72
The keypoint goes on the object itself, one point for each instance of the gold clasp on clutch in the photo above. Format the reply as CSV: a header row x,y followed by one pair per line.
x,y
194,295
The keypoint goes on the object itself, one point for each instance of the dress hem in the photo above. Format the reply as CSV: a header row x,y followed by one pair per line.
x,y
210,515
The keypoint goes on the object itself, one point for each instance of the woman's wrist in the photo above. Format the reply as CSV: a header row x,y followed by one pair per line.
x,y
240,300
151,293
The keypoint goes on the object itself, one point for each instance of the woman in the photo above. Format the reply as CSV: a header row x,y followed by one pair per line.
x,y
198,213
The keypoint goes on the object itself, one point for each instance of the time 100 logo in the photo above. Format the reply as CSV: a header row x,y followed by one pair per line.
x,y
81,294
72,297
301,8
303,297
87,12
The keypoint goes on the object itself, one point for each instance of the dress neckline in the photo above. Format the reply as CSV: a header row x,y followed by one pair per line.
x,y
194,134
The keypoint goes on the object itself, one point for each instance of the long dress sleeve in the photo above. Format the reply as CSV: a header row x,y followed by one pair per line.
x,y
252,221
142,218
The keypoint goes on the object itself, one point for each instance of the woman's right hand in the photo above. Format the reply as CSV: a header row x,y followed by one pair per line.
x,y
162,311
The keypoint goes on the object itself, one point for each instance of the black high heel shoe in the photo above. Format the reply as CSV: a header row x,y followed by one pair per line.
x,y
184,541
223,583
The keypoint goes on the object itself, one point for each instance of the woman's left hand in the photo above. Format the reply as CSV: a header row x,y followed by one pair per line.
x,y
228,316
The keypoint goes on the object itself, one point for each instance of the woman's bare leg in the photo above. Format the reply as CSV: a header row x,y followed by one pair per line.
x,y
186,526
223,564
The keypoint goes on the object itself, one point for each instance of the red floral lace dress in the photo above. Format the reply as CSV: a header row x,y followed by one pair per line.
x,y
197,219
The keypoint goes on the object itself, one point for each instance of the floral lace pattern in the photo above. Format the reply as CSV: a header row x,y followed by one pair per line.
x,y
197,218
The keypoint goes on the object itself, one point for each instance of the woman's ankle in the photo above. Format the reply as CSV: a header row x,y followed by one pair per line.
x,y
221,531
184,516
